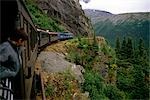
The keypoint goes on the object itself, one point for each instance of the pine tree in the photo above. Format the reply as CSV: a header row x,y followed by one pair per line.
x,y
143,60
129,49
141,56
141,49
123,49
140,90
117,48
141,74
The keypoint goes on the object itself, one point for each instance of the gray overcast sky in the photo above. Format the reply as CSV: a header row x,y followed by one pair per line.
x,y
118,6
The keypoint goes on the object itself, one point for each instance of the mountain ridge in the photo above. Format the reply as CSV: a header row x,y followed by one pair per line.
x,y
134,25
102,15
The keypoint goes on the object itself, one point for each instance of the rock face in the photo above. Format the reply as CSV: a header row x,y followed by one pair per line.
x,y
52,62
69,13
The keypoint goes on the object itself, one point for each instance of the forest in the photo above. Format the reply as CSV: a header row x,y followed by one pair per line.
x,y
127,73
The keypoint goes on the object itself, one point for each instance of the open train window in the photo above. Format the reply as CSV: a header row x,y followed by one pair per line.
x,y
28,42
18,21
25,25
44,35
33,37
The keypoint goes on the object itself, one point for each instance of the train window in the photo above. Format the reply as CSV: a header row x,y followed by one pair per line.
x,y
33,37
29,31
21,19
18,21
44,35
26,43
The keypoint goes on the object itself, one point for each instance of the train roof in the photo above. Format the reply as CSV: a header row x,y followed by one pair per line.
x,y
51,33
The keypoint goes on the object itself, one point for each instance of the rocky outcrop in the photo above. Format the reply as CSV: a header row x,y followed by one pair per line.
x,y
69,13
53,62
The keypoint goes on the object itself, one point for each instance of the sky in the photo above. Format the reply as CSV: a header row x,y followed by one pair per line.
x,y
117,6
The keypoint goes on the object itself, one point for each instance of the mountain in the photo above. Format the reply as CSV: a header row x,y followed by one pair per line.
x,y
69,13
134,25
95,14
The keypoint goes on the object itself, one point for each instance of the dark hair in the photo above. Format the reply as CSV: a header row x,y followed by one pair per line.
x,y
9,11
19,34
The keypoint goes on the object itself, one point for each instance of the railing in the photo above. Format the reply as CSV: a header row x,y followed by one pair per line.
x,y
6,92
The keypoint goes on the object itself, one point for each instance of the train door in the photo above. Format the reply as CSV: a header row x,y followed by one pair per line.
x,y
19,80
27,53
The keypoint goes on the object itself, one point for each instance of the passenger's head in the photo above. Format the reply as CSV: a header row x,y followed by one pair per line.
x,y
19,36
9,11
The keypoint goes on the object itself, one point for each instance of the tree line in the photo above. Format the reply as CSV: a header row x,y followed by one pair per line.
x,y
133,68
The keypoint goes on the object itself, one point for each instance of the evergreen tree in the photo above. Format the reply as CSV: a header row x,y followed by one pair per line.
x,y
123,49
141,49
143,60
117,48
140,90
141,56
129,49
141,73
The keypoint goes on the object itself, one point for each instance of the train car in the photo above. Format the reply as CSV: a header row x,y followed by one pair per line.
x,y
65,36
25,78
53,36
46,38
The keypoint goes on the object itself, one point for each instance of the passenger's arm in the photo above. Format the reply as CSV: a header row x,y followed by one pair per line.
x,y
5,66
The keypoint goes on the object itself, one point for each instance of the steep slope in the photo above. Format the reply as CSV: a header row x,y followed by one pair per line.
x,y
135,25
69,13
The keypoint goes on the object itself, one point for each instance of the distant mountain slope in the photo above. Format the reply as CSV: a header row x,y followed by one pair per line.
x,y
96,13
135,25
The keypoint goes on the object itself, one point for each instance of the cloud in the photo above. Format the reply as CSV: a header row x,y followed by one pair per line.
x,y
86,1
118,6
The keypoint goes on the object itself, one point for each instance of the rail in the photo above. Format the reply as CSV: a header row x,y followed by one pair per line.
x,y
6,92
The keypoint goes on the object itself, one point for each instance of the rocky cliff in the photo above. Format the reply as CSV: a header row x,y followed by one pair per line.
x,y
69,13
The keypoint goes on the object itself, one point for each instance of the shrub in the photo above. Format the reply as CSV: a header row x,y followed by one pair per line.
x,y
41,19
113,93
49,90
94,85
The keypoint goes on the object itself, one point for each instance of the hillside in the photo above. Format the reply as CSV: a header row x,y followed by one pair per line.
x,y
67,13
62,76
134,25
60,16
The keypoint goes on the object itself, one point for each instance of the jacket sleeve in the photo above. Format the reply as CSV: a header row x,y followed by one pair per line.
x,y
5,65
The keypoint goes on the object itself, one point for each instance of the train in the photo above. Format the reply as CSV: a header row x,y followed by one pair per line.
x,y
46,37
26,83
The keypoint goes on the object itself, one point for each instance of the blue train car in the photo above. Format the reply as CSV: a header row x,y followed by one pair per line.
x,y
65,36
